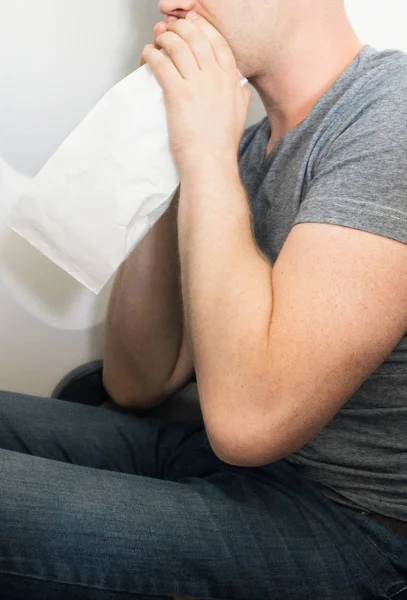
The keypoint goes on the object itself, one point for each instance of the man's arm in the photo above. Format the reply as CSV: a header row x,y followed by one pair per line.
x,y
147,356
278,351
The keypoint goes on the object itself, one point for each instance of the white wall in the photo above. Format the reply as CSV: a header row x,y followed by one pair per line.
x,y
380,23
57,58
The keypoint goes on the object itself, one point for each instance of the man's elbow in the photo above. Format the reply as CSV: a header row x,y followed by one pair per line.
x,y
241,446
126,393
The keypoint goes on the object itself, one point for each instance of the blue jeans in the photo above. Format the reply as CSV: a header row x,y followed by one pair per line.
x,y
100,505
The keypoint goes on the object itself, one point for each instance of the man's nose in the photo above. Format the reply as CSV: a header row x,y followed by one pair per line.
x,y
179,8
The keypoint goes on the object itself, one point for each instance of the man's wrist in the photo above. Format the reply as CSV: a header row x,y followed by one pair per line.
x,y
208,166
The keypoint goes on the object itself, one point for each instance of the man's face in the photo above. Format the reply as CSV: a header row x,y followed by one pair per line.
x,y
247,25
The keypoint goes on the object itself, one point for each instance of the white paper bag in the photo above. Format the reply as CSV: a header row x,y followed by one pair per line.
x,y
106,185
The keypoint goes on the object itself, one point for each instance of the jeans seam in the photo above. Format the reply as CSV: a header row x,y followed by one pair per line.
x,y
384,556
397,593
382,553
83,585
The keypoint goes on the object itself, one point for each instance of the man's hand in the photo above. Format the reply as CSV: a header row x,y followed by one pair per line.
x,y
160,28
206,105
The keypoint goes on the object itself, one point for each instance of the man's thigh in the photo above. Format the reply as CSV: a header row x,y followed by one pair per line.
x,y
68,531
90,436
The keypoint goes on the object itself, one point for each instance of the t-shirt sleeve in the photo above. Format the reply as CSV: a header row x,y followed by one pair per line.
x,y
360,179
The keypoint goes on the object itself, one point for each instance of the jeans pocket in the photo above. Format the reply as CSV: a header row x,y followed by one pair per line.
x,y
390,548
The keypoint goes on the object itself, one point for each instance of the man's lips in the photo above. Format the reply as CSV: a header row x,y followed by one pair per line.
x,y
178,14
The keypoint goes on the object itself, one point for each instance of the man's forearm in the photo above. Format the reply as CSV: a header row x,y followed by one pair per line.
x,y
227,289
145,320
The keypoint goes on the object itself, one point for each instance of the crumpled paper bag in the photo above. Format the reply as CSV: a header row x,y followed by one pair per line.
x,y
106,185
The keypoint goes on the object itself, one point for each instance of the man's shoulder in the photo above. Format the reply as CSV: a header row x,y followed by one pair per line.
x,y
379,107
388,57
371,108
386,74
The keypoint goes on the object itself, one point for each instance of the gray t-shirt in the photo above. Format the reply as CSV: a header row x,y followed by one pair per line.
x,y
346,164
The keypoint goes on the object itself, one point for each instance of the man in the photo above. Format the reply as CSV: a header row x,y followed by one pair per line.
x,y
278,276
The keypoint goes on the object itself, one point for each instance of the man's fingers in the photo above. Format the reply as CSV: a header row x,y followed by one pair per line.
x,y
181,53
159,29
221,49
162,66
196,41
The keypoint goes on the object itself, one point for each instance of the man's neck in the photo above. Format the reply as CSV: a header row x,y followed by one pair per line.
x,y
298,78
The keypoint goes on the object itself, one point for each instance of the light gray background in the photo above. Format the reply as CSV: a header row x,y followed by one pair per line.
x,y
57,59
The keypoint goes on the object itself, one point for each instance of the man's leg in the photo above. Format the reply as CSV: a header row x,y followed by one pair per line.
x,y
78,434
208,531
89,436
